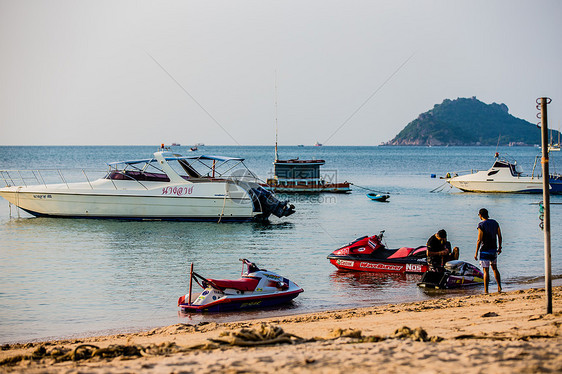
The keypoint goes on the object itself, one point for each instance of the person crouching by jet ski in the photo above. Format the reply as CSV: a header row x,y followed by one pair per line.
x,y
439,251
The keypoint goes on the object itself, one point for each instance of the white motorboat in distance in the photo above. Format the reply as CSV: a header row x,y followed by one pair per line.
x,y
167,186
503,177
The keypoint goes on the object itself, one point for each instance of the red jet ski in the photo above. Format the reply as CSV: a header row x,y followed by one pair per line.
x,y
369,254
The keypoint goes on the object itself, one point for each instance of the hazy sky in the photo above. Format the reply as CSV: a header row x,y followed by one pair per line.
x,y
109,72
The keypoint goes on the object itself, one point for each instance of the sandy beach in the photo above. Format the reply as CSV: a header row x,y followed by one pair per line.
x,y
496,333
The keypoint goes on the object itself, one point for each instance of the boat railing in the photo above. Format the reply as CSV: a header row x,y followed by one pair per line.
x,y
462,172
44,177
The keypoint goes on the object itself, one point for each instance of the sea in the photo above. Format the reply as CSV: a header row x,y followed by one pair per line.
x,y
71,278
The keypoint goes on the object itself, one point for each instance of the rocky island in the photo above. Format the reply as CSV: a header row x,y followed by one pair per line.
x,y
468,121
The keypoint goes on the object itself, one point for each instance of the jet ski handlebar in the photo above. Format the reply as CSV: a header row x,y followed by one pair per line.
x,y
251,266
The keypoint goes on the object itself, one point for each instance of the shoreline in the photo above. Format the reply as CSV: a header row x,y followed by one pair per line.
x,y
275,312
506,332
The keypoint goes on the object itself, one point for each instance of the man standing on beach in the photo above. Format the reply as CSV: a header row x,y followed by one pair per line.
x,y
488,232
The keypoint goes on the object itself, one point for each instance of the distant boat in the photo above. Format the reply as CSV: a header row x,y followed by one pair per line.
x,y
554,146
176,144
300,145
199,144
193,149
516,144
503,177
318,144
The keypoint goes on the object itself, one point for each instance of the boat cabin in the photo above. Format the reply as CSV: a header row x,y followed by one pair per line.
x,y
504,164
298,171
296,175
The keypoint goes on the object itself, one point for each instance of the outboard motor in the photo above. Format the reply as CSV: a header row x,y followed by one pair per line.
x,y
266,202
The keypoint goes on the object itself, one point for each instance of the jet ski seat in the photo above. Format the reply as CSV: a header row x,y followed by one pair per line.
x,y
242,284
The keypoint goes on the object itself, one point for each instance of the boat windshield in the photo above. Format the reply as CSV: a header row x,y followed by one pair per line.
x,y
188,167
139,170
501,164
207,166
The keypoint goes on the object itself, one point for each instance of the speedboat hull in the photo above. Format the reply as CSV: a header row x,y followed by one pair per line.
x,y
473,183
80,201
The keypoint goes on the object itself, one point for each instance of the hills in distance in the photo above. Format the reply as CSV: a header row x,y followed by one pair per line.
x,y
468,121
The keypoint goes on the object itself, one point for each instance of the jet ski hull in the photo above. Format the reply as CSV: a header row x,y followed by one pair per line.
x,y
369,254
230,304
379,266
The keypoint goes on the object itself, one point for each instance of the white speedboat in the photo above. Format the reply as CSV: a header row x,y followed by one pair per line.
x,y
503,177
167,186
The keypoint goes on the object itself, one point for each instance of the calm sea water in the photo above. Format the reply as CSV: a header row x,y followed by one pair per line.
x,y
75,277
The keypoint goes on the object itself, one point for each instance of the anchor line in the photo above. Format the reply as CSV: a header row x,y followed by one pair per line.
x,y
369,189
439,188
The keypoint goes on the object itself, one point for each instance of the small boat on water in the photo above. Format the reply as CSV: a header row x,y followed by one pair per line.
x,y
504,176
456,274
257,288
369,254
167,186
378,197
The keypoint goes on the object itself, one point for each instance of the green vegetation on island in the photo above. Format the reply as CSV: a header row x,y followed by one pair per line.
x,y
468,121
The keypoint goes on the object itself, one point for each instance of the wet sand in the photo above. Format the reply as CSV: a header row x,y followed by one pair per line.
x,y
495,333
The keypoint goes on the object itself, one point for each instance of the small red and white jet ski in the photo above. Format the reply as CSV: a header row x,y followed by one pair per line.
x,y
369,254
455,274
256,288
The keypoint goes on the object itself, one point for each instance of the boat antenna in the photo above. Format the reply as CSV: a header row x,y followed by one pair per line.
x,y
276,129
498,144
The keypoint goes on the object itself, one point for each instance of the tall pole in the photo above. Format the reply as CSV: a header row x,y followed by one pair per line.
x,y
190,283
546,201
276,131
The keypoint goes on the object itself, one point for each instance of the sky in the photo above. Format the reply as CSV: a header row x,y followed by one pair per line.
x,y
227,72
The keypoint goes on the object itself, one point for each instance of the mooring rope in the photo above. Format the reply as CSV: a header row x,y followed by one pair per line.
x,y
224,202
369,189
440,188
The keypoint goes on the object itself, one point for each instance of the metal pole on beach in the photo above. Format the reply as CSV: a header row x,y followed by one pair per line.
x,y
190,283
546,201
